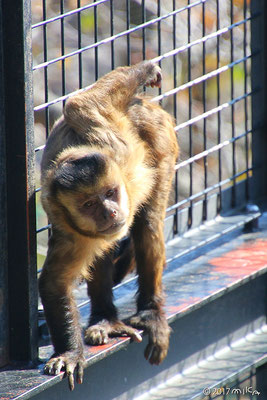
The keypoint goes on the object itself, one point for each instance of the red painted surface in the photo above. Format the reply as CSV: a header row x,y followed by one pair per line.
x,y
174,309
105,347
248,258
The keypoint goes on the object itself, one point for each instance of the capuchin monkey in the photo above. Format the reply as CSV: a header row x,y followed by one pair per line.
x,y
106,172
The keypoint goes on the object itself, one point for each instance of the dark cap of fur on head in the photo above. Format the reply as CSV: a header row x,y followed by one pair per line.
x,y
81,171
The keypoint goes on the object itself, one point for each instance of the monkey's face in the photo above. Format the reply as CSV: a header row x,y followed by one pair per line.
x,y
91,194
106,210
102,212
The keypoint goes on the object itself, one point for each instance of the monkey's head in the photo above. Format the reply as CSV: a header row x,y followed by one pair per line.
x,y
90,192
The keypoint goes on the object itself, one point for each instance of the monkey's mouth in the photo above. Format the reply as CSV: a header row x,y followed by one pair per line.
x,y
114,228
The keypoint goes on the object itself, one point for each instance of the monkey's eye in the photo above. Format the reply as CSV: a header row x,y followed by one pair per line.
x,y
110,193
88,203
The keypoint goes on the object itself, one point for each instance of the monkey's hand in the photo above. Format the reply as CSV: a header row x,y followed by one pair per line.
x,y
158,330
68,361
99,333
150,74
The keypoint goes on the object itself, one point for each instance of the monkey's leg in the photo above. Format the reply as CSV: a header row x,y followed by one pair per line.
x,y
150,258
104,322
55,287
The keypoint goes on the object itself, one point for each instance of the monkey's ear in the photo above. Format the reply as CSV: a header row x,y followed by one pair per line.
x,y
86,170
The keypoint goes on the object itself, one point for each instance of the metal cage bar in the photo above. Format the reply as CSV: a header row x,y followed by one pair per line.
x,y
259,99
3,217
19,125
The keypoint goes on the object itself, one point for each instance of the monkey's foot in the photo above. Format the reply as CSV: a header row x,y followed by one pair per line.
x,y
68,361
158,330
99,333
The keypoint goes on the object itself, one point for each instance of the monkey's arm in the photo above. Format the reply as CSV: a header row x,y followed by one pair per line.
x,y
125,81
114,91
55,286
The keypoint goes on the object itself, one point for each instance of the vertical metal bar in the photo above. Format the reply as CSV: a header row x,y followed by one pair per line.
x,y
190,211
112,33
259,99
175,222
219,202
3,211
233,105
205,160
96,38
128,20
144,30
245,100
159,37
45,69
80,65
62,39
22,274
46,91
174,59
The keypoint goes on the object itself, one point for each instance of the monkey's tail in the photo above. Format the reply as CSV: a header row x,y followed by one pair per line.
x,y
124,259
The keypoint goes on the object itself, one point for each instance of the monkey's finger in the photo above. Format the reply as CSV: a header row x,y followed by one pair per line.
x,y
59,364
148,350
154,353
159,79
79,377
155,356
155,82
96,335
101,337
133,333
69,371
49,367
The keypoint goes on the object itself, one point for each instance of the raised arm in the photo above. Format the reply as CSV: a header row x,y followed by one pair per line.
x,y
114,91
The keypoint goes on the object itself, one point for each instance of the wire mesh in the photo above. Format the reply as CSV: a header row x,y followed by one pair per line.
x,y
203,48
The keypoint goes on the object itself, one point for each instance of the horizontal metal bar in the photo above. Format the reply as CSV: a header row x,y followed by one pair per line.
x,y
211,112
68,14
202,40
201,79
118,35
59,99
164,56
40,148
166,94
211,150
207,190
44,228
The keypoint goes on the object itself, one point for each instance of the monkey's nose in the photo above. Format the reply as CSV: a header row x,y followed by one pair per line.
x,y
113,213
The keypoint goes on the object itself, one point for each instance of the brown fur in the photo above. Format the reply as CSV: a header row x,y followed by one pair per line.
x,y
137,142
